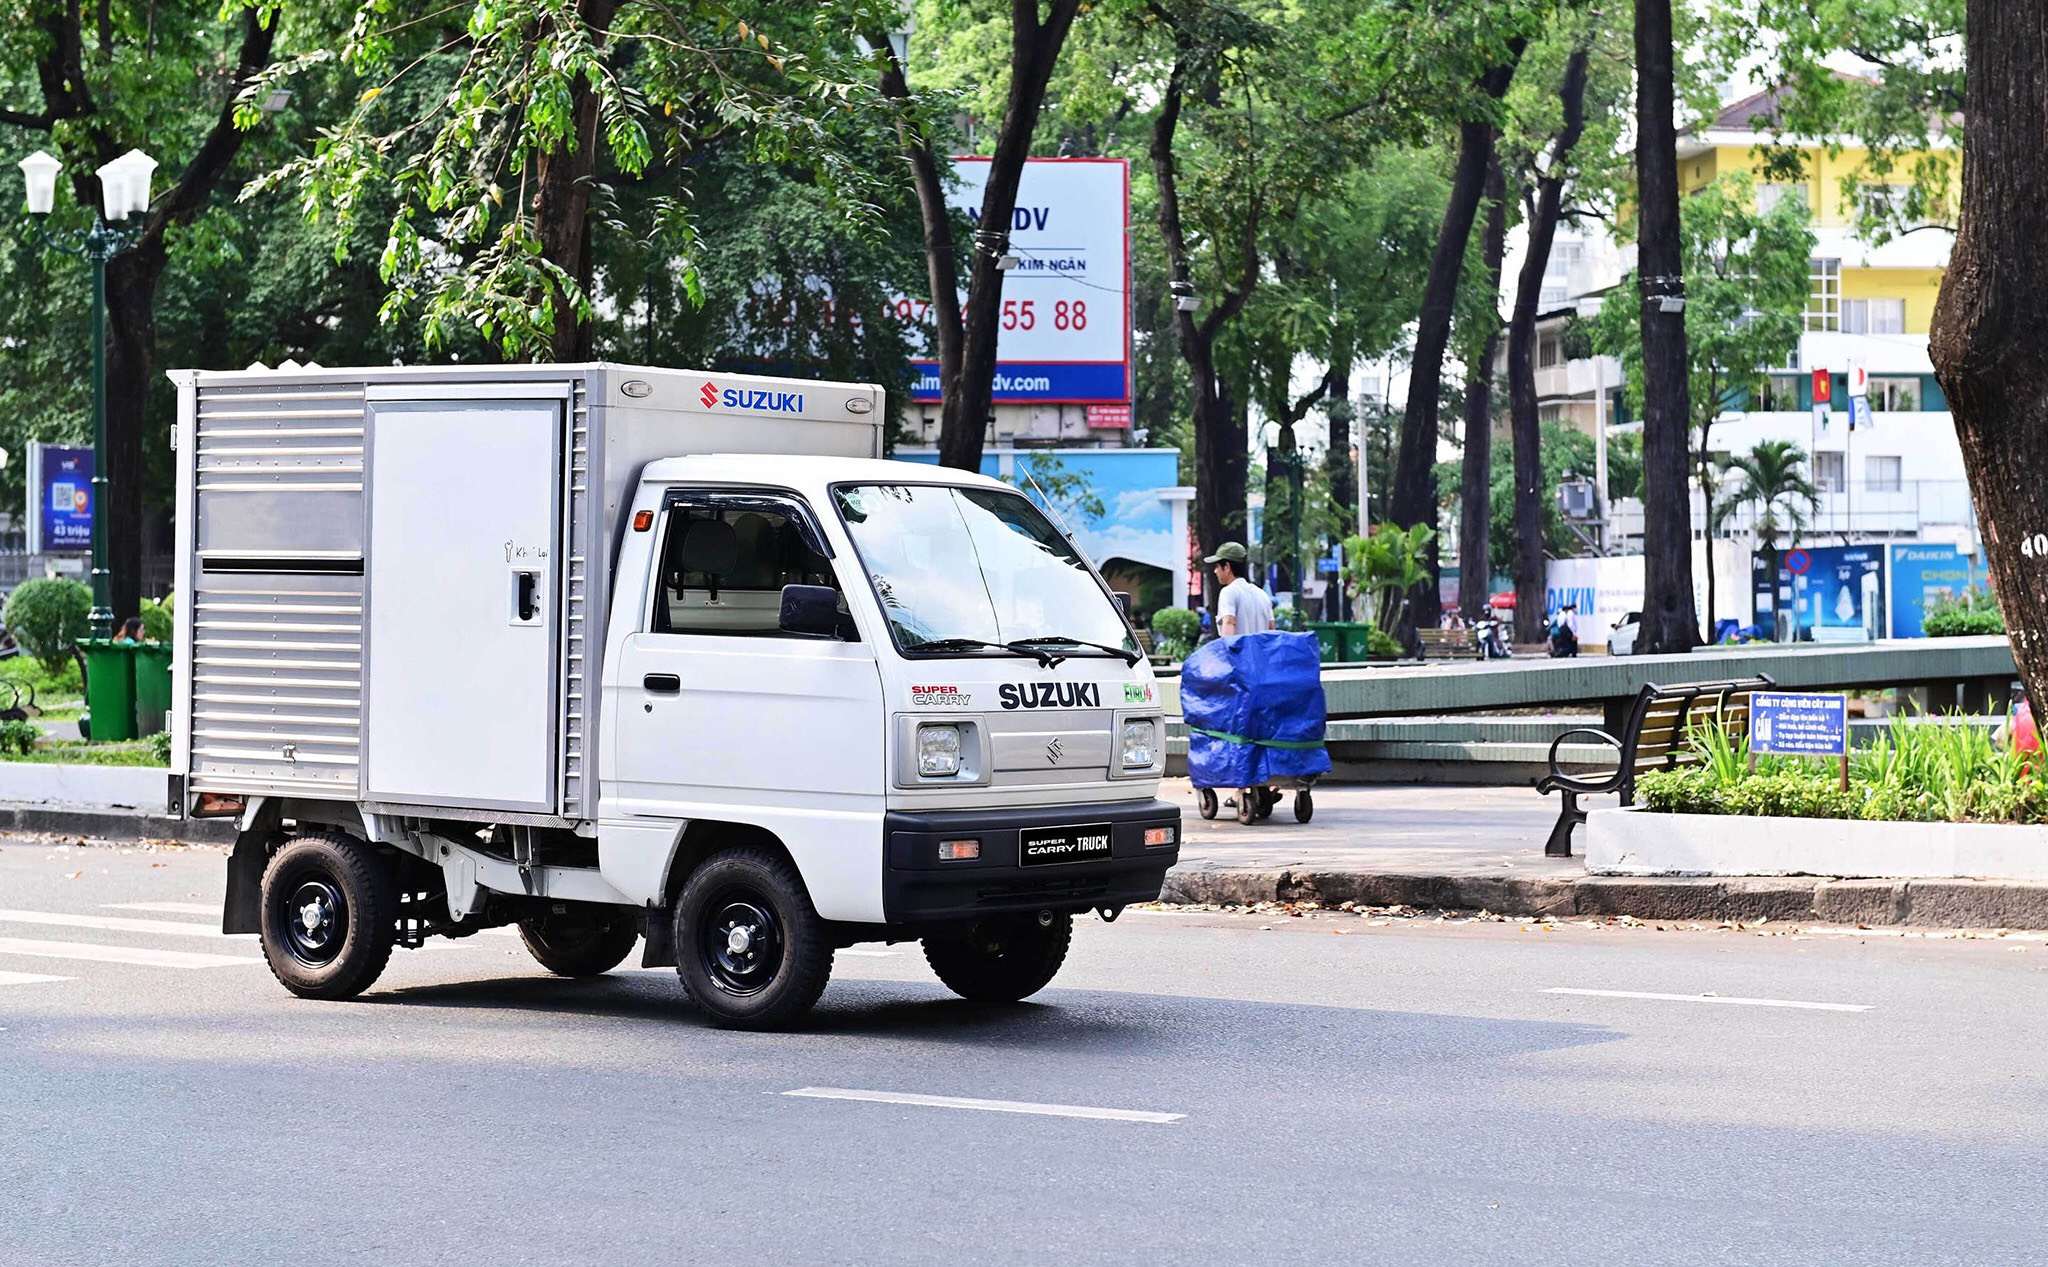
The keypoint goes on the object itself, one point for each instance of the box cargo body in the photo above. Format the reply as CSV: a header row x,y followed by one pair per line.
x,y
393,583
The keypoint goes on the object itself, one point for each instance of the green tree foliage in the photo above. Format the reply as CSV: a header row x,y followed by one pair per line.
x,y
1746,281
47,616
1774,482
1385,568
1904,107
1746,278
526,110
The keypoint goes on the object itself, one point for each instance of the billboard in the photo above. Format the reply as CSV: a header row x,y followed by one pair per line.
x,y
60,499
1822,593
1066,333
1923,573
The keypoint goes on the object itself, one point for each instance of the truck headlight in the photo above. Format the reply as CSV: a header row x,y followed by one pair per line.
x,y
1140,744
938,751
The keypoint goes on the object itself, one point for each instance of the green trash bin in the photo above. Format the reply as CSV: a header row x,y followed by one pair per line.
x,y
1356,640
1329,641
109,688
152,687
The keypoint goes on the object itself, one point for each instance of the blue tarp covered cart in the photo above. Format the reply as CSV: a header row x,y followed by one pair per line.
x,y
1254,710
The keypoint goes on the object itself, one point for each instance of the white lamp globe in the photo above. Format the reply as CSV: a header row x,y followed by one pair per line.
x,y
114,188
140,171
39,170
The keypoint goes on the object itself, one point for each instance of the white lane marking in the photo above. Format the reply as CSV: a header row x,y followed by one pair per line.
x,y
1713,998
987,1106
26,978
166,908
117,954
112,923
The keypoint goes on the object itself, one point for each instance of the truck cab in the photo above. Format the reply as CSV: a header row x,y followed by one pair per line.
x,y
811,699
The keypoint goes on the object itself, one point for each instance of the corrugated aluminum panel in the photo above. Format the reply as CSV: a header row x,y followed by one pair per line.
x,y
277,682
578,690
277,604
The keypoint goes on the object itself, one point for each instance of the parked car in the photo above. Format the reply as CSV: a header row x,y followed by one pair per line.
x,y
1622,640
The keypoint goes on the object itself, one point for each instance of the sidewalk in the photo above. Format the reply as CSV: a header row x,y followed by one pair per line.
x,y
1481,848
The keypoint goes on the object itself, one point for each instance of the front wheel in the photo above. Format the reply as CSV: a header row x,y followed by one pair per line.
x,y
749,946
330,916
1001,959
580,940
1205,802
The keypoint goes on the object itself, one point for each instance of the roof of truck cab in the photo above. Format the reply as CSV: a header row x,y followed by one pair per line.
x,y
807,471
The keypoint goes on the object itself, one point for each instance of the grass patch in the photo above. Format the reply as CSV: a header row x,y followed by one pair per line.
x,y
1925,771
126,752
23,671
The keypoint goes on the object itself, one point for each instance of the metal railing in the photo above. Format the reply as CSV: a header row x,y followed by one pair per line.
x,y
1905,508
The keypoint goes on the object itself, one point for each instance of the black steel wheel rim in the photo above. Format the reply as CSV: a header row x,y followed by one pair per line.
x,y
742,944
314,920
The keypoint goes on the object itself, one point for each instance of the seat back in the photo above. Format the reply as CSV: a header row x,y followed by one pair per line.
x,y
1659,733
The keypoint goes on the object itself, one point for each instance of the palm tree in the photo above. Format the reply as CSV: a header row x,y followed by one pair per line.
x,y
1774,481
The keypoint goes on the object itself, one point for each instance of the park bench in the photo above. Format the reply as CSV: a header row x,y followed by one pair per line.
x,y
1653,737
1449,644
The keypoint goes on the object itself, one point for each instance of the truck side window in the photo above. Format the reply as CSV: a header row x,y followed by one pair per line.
x,y
723,567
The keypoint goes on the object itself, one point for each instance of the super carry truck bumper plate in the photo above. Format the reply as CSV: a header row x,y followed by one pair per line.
x,y
1040,858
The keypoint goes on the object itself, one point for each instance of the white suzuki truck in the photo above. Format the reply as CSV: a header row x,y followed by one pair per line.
x,y
617,654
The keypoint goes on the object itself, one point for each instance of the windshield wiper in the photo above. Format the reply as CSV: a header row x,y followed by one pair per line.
x,y
1045,661
1125,654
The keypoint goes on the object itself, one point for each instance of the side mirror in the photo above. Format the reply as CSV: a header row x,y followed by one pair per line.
x,y
813,610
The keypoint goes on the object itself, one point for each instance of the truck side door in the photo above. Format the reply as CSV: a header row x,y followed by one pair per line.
x,y
721,715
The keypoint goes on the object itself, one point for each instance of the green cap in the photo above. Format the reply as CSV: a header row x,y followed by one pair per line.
x,y
1228,552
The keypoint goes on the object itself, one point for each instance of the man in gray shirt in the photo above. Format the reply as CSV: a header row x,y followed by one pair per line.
x,y
1241,607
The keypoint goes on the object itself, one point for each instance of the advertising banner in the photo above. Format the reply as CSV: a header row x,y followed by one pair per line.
x,y
1923,573
60,500
1065,324
1822,593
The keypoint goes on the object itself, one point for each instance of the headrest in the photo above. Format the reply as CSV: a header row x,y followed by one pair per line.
x,y
710,547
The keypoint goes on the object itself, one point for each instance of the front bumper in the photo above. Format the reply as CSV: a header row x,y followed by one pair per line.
x,y
918,888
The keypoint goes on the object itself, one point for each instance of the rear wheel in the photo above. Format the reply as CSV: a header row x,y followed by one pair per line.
x,y
1304,806
1001,959
1247,805
1205,802
330,916
581,940
749,946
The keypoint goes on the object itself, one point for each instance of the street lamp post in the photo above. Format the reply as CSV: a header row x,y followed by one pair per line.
x,y
124,191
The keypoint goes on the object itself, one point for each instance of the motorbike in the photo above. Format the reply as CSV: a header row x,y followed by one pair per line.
x,y
1493,644
1564,642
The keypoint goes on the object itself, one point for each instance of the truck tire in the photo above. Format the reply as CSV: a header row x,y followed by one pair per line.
x,y
1001,960
750,948
330,915
583,941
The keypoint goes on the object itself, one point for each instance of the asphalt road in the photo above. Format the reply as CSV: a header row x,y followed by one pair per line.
x,y
1280,1090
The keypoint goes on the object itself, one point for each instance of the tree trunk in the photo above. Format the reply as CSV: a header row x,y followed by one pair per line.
x,y
1524,408
1414,494
1986,343
1220,425
1475,506
1669,622
561,202
967,334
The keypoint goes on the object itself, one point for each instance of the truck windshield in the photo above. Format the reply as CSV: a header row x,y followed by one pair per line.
x,y
963,566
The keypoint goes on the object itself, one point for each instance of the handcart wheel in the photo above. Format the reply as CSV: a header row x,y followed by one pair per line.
x,y
1265,798
1248,805
1205,802
1304,806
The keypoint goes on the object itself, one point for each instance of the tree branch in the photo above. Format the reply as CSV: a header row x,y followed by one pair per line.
x,y
195,184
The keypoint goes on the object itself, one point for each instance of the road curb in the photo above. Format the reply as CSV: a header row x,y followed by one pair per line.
x,y
114,824
1927,903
